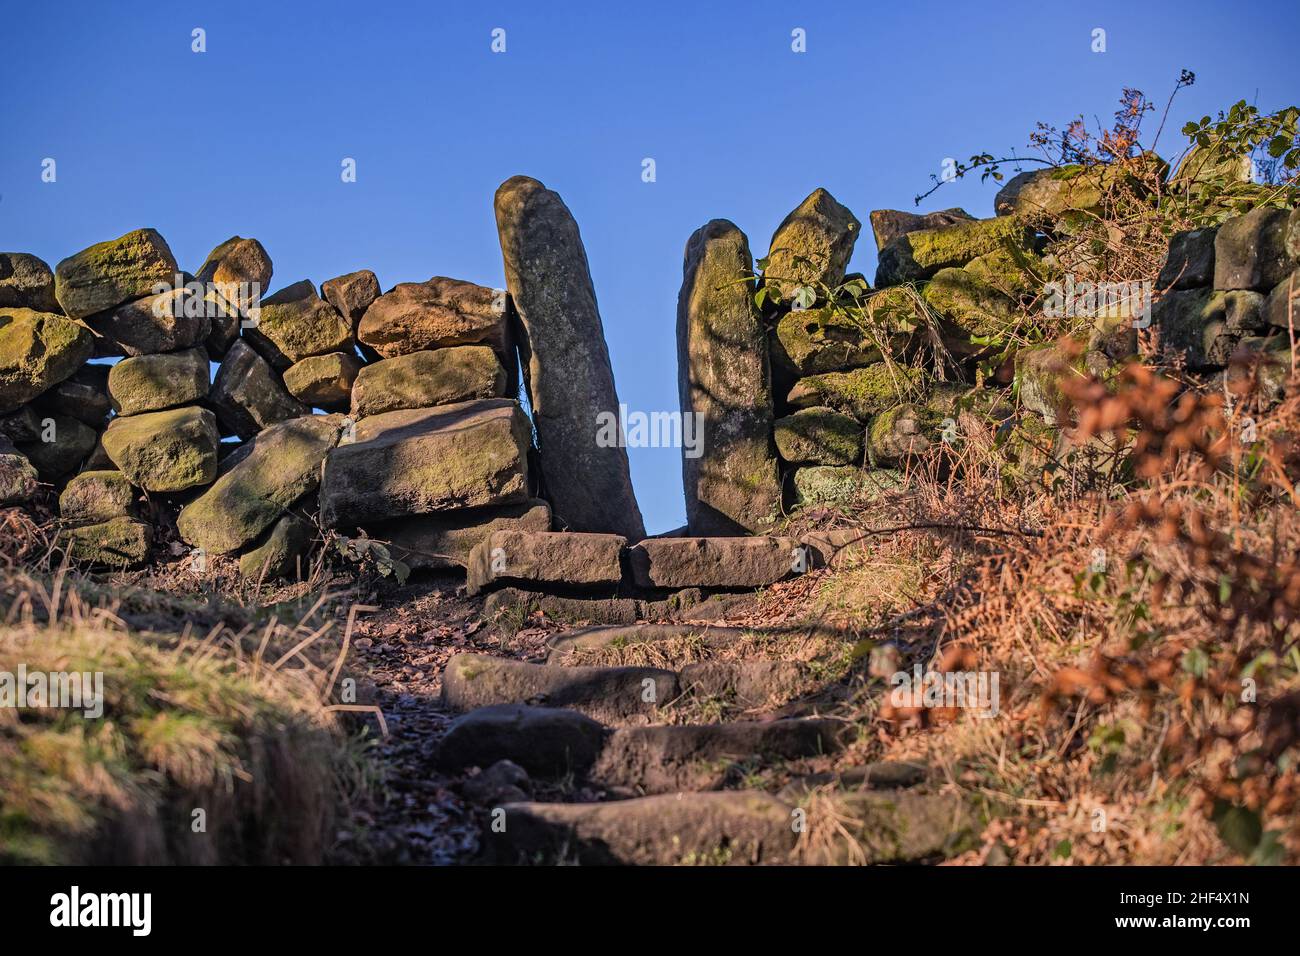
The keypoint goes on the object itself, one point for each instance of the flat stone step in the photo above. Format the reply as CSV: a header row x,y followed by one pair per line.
x,y
691,604
545,741
747,684
735,827
610,635
553,743
673,758
605,693
885,775
751,562
560,558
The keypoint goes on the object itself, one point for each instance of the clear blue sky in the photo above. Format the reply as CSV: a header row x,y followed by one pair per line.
x,y
248,137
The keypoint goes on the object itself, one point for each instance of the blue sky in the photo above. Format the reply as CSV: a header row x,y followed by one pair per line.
x,y
248,137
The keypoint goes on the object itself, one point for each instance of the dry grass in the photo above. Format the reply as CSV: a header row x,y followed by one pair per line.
x,y
235,723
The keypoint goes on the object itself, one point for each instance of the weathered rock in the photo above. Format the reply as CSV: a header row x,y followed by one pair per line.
x,y
424,379
445,540
1048,195
414,316
511,606
566,362
63,445
547,742
813,341
713,562
22,424
295,324
683,757
351,294
971,309
1258,250
165,451
1282,308
724,382
900,433
109,273
889,224
823,484
919,255
282,552
249,396
606,636
1041,371
605,693
324,381
731,827
37,350
94,496
1194,323
1190,262
748,684
19,481
150,383
83,396
820,436
861,392
236,275
818,230
1204,164
498,784
166,322
546,557
26,282
118,543
259,483
424,460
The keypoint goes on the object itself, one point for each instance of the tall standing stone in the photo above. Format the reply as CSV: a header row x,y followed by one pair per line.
x,y
724,379
566,361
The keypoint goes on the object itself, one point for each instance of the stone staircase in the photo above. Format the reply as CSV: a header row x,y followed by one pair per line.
x,y
670,743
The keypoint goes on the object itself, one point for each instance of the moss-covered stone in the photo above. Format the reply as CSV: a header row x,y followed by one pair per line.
x,y
861,392
26,282
63,444
971,309
295,324
1193,323
324,381
37,350
165,451
812,245
19,481
819,436
282,552
843,484
94,496
427,378
901,432
118,543
813,341
150,383
919,255
259,482
109,273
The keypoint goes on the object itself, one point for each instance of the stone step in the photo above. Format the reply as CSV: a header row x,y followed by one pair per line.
x,y
605,693
733,827
509,607
751,562
617,694
602,636
673,758
553,743
562,558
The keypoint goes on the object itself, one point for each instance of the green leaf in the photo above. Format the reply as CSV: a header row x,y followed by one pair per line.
x,y
1238,827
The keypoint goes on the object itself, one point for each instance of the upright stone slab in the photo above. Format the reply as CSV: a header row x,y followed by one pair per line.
x,y
724,380
570,381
